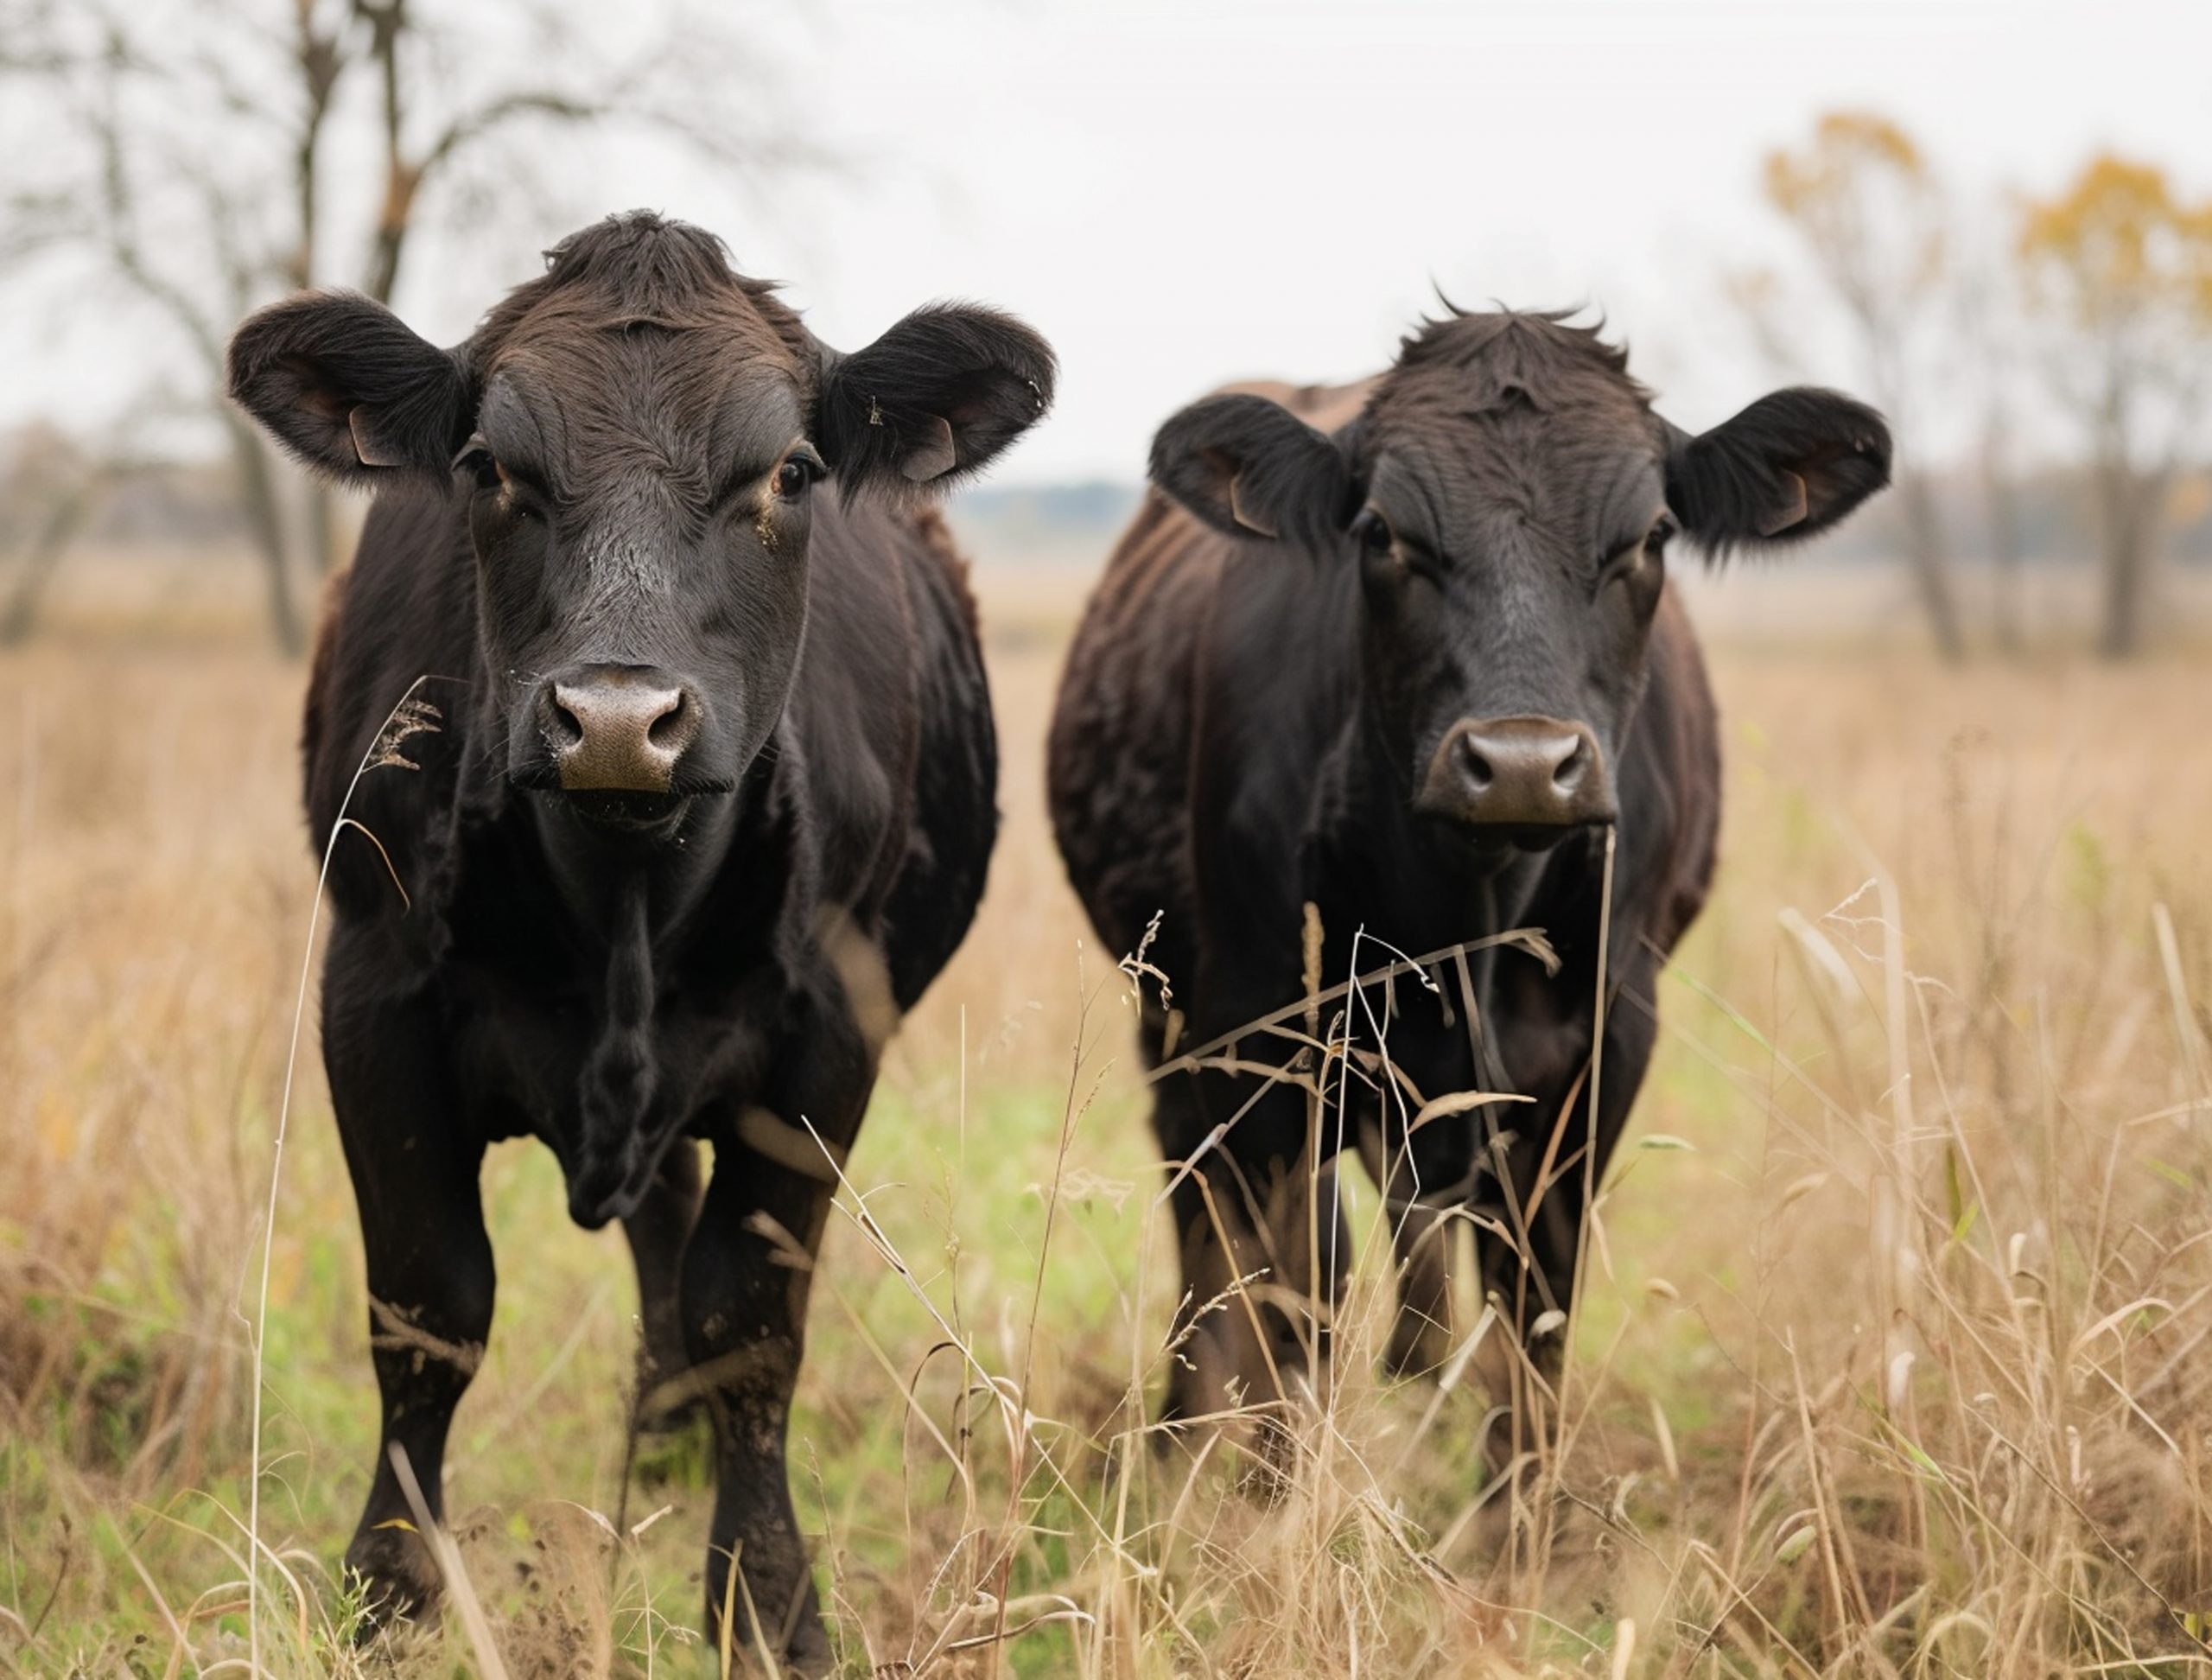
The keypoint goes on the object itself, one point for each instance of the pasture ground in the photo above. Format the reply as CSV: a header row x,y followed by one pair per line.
x,y
1891,1356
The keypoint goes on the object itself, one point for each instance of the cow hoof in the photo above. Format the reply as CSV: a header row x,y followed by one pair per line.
x,y
810,1652
807,1651
391,1570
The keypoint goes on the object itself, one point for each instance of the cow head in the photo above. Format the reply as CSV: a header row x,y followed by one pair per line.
x,y
641,438
1508,496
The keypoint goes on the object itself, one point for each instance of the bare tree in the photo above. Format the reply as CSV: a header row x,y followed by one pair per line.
x,y
1997,465
1988,328
47,489
1861,197
207,149
2122,268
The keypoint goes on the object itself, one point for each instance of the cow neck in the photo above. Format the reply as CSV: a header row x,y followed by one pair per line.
x,y
607,887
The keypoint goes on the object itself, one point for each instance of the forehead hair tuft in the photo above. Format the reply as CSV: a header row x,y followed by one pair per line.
x,y
639,270
1502,357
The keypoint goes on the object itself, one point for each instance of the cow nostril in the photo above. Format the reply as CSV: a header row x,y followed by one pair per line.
x,y
615,728
1567,776
1518,774
671,730
564,726
1480,772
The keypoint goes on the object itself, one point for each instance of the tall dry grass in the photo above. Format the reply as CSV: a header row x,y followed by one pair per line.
x,y
1887,1363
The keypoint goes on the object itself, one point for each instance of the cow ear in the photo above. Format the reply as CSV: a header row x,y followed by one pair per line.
x,y
933,399
341,383
1789,467
1249,467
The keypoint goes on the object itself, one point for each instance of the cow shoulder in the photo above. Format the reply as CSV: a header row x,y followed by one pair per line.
x,y
1694,768
1671,791
943,572
322,663
953,824
1274,687
390,702
1118,763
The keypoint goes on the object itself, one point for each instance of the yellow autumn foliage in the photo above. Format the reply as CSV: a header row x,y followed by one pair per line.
x,y
2118,244
1862,194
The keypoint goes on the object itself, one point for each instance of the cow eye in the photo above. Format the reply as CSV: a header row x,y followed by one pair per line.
x,y
476,460
1630,558
1371,532
796,475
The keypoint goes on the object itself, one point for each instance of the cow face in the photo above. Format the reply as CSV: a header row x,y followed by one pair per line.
x,y
1508,497
641,440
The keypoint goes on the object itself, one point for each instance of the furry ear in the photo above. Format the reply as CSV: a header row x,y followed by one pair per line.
x,y
932,400
1249,467
343,384
1789,467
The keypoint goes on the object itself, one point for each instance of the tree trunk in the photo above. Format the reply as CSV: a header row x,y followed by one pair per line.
x,y
257,486
2007,582
2131,521
2000,501
393,224
1923,541
42,559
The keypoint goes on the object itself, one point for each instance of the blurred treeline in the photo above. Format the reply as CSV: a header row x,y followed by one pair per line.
x,y
2045,356
2053,346
174,163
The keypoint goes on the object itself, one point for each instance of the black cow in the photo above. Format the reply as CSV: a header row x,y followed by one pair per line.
x,y
1399,656
708,802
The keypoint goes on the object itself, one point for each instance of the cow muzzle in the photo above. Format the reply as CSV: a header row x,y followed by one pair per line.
x,y
617,728
1526,778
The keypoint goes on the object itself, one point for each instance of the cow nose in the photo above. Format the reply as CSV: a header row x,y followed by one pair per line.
x,y
618,728
1518,773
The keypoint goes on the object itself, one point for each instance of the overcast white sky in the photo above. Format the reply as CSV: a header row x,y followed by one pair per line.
x,y
1182,192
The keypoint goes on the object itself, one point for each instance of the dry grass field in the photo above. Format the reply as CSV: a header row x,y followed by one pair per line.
x,y
1890,1363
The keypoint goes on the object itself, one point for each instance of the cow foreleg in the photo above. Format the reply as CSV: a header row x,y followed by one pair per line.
x,y
745,1280
1423,1240
1534,1274
430,1276
658,1232
1264,1253
1556,1210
